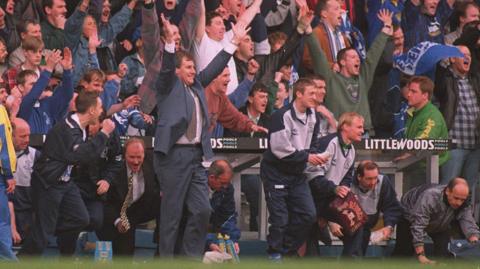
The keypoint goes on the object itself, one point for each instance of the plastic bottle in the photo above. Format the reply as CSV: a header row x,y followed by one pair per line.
x,y
221,242
231,249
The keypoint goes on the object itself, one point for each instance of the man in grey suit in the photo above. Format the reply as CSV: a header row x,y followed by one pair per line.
x,y
182,141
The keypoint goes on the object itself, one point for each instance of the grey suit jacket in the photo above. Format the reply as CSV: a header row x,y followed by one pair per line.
x,y
175,104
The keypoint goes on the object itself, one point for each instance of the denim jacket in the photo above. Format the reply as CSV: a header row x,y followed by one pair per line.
x,y
136,69
74,39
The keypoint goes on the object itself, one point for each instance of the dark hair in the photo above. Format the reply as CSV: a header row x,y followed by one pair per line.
x,y
219,167
364,166
342,52
210,16
45,4
257,87
321,5
460,10
300,86
94,74
180,56
22,76
85,100
276,37
23,25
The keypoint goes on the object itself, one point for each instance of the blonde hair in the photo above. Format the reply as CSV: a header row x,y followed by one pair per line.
x,y
347,118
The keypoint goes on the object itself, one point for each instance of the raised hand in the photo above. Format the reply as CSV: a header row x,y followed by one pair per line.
x,y
52,59
93,42
240,31
385,16
305,17
2,18
167,28
301,3
67,61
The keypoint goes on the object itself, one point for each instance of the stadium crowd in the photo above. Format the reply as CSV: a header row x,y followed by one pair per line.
x,y
314,76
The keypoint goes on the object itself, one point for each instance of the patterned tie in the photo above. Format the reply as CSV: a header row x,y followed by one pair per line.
x,y
192,127
126,203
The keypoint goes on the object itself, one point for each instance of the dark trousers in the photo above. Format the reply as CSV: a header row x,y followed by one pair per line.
x,y
183,181
352,244
123,244
291,208
24,222
58,210
404,246
250,185
95,212
366,232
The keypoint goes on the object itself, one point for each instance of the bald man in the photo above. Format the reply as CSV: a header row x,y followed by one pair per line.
x,y
224,217
26,157
141,206
431,209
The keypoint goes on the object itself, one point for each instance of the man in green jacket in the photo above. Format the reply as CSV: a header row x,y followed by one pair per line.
x,y
424,121
350,86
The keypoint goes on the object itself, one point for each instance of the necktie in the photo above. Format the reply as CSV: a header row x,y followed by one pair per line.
x,y
126,203
192,126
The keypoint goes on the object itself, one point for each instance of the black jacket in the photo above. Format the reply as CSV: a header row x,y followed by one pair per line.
x,y
446,92
64,146
106,167
270,63
262,121
119,189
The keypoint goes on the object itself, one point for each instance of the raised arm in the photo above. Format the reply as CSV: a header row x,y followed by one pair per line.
x,y
200,30
319,60
250,12
367,71
189,23
64,92
26,107
216,66
164,81
150,32
73,25
108,31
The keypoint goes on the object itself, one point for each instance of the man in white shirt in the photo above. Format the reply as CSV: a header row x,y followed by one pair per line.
x,y
212,37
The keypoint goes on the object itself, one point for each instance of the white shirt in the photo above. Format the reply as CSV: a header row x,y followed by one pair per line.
x,y
138,184
138,188
198,135
208,49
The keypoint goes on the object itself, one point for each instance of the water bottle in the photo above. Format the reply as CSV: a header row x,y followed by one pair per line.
x,y
231,249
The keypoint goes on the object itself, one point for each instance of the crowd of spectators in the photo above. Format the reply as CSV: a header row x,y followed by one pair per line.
x,y
314,76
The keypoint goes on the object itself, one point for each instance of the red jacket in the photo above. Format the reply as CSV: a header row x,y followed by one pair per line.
x,y
222,110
